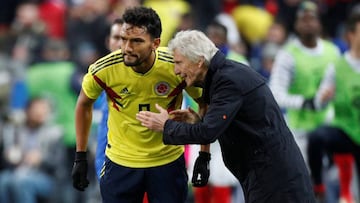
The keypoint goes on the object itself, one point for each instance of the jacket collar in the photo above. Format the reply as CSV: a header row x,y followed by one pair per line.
x,y
216,63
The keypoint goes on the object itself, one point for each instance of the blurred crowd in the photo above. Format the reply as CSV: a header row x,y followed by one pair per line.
x,y
46,47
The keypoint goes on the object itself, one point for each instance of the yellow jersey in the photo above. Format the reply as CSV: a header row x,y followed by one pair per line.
x,y
128,92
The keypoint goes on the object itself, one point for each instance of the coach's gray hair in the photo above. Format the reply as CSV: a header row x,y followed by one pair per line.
x,y
193,45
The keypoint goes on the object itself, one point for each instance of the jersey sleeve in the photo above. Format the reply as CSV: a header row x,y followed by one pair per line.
x,y
90,87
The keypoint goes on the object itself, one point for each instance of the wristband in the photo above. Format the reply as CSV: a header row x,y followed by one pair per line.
x,y
205,155
80,156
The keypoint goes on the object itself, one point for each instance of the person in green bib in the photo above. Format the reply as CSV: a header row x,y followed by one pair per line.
x,y
297,73
342,135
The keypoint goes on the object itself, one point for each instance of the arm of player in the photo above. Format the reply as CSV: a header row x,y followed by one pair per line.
x,y
281,79
83,119
201,172
326,90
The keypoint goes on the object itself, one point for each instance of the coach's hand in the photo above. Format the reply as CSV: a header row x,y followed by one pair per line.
x,y
79,171
201,171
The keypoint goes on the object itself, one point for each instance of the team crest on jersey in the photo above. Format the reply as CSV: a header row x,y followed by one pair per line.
x,y
162,88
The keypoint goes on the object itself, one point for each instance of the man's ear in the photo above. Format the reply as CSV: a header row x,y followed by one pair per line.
x,y
156,43
201,61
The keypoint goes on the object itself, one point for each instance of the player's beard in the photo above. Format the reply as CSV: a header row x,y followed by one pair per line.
x,y
138,61
132,63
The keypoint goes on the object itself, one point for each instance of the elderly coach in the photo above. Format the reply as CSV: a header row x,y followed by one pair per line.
x,y
257,146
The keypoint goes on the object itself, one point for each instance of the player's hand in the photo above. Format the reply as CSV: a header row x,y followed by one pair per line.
x,y
201,171
327,95
79,171
309,104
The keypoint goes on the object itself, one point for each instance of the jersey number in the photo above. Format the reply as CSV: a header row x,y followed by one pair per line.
x,y
144,107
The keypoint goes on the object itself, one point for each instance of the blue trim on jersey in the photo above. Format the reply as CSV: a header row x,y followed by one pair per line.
x,y
101,135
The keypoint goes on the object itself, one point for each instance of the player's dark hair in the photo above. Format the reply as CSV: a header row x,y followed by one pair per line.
x,y
118,21
352,20
146,17
218,25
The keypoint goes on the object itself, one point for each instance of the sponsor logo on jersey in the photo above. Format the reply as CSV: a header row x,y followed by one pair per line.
x,y
125,91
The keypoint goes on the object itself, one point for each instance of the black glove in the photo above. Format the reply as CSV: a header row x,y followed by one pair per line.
x,y
79,171
201,171
309,104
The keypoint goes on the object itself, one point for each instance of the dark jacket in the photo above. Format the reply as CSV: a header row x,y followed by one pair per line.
x,y
257,146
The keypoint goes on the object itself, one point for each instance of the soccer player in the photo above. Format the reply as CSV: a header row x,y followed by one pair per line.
x,y
256,144
134,78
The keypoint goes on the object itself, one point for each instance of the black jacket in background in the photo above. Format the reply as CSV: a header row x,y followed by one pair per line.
x,y
257,146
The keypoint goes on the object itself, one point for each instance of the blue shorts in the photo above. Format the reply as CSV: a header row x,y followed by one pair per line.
x,y
163,184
